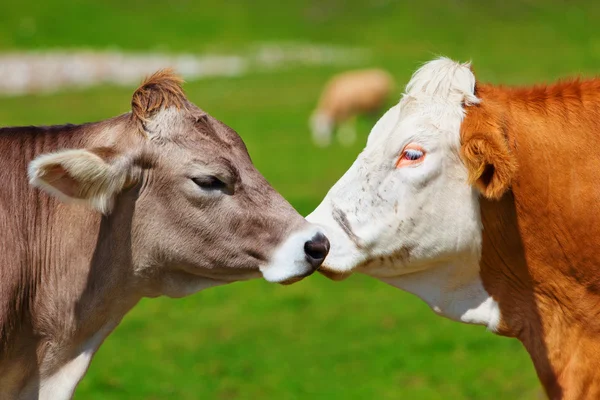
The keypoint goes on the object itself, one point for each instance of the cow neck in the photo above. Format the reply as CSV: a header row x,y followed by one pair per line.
x,y
78,278
458,295
82,290
539,260
102,289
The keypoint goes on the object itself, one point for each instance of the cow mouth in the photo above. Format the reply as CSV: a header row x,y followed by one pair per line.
x,y
334,275
295,279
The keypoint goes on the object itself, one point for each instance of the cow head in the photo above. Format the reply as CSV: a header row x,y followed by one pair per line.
x,y
407,210
203,214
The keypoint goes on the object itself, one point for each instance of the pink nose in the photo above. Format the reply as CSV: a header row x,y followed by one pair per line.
x,y
316,250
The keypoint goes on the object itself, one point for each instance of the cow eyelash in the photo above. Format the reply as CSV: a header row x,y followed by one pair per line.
x,y
412,154
209,182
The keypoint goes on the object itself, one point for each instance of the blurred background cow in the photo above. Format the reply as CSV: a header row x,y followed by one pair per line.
x,y
261,66
346,96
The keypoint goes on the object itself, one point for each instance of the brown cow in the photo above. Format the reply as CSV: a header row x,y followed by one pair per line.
x,y
160,201
484,201
345,96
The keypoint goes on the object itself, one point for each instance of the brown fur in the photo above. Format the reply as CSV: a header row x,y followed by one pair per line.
x,y
160,90
540,258
485,151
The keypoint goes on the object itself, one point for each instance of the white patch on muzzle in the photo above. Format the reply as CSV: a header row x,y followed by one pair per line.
x,y
343,252
289,259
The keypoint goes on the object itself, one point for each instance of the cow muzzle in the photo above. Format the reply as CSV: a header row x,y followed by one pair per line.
x,y
344,254
301,254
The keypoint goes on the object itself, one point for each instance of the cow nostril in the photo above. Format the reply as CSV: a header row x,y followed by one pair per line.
x,y
316,250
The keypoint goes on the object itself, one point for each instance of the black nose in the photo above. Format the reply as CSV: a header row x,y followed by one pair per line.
x,y
316,250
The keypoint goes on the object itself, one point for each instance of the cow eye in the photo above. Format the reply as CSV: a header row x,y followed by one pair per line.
x,y
412,154
210,182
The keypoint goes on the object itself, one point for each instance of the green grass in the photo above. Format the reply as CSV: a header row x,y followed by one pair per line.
x,y
359,339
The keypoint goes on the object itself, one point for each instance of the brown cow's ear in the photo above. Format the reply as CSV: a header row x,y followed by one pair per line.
x,y
161,90
93,177
490,163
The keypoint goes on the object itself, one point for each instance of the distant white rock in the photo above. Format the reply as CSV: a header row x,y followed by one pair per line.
x,y
50,71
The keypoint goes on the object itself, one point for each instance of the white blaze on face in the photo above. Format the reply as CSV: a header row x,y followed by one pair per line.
x,y
414,224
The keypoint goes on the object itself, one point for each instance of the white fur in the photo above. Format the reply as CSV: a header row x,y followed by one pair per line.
x,y
454,291
416,227
444,80
164,122
289,259
61,384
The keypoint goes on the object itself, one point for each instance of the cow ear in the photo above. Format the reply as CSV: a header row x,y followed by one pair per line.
x,y
93,177
489,161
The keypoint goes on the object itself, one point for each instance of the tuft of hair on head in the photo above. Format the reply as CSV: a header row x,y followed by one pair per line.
x,y
446,79
160,90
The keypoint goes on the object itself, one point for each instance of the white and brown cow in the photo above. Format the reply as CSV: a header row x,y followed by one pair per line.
x,y
484,201
163,200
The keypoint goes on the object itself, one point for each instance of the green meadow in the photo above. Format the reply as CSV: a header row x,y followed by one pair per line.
x,y
317,339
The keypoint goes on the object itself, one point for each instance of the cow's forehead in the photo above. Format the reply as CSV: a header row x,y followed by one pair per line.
x,y
385,125
432,104
423,122
198,135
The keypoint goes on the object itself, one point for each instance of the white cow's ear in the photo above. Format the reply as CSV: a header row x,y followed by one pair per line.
x,y
93,176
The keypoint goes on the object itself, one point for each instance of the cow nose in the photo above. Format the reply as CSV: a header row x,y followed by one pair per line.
x,y
316,250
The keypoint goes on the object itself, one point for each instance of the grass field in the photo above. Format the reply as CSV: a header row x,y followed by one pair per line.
x,y
359,339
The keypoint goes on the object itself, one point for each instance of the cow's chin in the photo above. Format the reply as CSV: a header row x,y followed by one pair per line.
x,y
341,262
294,279
333,274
